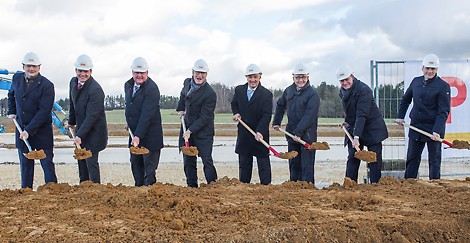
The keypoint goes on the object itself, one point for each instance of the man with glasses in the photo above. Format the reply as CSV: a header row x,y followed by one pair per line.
x,y
302,103
197,105
87,118
431,107
363,121
30,101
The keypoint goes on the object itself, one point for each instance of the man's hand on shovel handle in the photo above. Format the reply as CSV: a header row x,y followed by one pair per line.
x,y
187,135
135,141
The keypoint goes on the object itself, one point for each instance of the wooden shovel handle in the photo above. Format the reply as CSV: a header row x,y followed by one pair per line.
x,y
261,140
132,135
184,130
292,136
73,136
21,130
349,136
428,134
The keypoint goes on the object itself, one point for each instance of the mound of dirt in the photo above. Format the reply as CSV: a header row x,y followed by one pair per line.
x,y
228,210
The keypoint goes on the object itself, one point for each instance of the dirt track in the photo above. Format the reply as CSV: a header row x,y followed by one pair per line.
x,y
391,211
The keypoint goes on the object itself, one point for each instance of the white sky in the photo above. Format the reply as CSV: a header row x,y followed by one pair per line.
x,y
229,35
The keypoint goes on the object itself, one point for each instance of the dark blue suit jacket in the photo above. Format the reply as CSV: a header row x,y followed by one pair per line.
x,y
256,113
143,114
87,112
431,106
33,110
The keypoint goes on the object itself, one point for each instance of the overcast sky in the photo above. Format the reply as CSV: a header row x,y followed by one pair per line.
x,y
229,35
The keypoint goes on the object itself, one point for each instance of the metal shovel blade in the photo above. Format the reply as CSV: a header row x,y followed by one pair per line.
x,y
367,156
81,153
319,146
189,151
35,154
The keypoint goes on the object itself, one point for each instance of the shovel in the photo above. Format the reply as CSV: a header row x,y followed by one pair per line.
x,y
367,156
79,152
288,155
33,154
313,146
456,144
187,150
135,149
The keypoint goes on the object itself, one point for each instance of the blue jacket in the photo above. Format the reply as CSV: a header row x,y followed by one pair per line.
x,y
33,110
302,112
256,113
87,112
431,106
143,114
363,115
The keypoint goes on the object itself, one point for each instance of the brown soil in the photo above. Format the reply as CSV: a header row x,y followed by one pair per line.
x,y
229,211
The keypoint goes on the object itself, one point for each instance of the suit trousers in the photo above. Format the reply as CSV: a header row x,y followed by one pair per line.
x,y
144,167
302,167
375,168
27,169
190,163
413,158
89,169
245,166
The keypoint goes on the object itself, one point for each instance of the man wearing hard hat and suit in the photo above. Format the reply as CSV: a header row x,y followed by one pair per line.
x,y
253,103
431,107
144,119
197,105
87,117
30,101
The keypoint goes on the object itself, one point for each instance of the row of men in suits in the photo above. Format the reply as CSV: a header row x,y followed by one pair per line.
x,y
251,103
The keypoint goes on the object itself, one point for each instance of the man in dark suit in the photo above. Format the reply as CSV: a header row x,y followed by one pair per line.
x,y
431,107
87,114
302,103
30,101
197,104
363,121
254,104
144,119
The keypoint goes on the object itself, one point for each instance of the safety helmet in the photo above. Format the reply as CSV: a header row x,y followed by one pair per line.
x,y
83,63
139,65
252,69
431,61
343,72
300,69
201,66
31,58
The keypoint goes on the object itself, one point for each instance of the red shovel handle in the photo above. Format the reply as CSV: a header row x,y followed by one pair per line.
x,y
274,151
447,142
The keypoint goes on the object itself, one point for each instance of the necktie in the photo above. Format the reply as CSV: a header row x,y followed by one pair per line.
x,y
79,85
135,89
249,93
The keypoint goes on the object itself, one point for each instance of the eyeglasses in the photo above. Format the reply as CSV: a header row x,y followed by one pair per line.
x,y
300,77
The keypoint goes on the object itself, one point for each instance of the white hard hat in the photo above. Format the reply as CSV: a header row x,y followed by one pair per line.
x,y
83,63
431,61
252,69
139,65
201,66
343,72
31,59
300,69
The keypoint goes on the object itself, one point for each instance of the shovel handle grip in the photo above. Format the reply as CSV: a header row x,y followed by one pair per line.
x,y
349,136
262,141
21,130
184,130
73,136
132,135
292,136
428,134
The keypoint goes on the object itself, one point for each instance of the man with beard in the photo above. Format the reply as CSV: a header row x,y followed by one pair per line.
x,y
30,101
88,118
302,103
254,104
197,105
144,119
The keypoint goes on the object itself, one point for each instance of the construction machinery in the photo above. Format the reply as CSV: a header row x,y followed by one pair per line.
x,y
5,84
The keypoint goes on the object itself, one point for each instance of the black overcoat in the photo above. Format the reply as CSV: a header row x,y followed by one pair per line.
x,y
143,113
87,113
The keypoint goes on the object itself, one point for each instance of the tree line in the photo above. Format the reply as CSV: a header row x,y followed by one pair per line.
x,y
330,103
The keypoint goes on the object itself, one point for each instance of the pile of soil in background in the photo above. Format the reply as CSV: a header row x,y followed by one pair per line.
x,y
227,210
